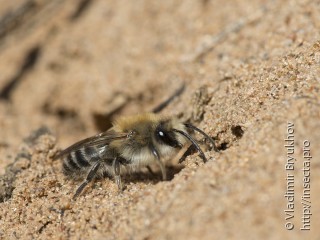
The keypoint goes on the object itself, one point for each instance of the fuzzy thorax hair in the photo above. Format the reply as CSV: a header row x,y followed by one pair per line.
x,y
143,129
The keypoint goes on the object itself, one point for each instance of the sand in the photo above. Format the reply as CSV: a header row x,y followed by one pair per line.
x,y
252,73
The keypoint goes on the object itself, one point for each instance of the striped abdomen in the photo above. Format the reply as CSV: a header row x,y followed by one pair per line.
x,y
81,159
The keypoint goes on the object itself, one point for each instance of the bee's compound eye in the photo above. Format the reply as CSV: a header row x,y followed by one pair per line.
x,y
165,135
162,135
167,138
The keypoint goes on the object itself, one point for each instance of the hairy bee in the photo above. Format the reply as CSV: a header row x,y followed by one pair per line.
x,y
133,142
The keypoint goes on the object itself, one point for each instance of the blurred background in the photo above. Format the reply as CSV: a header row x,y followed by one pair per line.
x,y
73,65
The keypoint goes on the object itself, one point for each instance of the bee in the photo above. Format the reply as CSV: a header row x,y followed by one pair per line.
x,y
131,143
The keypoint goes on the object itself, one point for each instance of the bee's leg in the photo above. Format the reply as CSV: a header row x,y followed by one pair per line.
x,y
194,143
117,176
191,149
150,170
162,167
89,178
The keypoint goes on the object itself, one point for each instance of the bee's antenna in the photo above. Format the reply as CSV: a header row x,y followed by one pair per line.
x,y
188,125
194,143
177,93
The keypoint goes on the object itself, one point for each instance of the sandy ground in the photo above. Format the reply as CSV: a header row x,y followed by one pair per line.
x,y
251,69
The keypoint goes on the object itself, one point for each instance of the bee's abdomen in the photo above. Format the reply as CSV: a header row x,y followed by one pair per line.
x,y
79,160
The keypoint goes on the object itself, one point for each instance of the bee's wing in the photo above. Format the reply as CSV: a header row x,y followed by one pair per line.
x,y
100,140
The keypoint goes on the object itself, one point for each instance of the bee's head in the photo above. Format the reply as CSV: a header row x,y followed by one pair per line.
x,y
147,130
175,134
165,133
